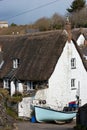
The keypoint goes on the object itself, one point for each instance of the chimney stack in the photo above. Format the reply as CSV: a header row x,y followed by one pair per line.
x,y
68,29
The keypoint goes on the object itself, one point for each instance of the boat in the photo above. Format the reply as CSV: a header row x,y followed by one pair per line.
x,y
43,114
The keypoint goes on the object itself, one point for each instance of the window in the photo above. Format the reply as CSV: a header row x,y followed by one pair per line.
x,y
73,63
30,85
6,83
15,63
73,84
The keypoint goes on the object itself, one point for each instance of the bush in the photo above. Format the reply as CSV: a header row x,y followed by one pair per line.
x,y
17,94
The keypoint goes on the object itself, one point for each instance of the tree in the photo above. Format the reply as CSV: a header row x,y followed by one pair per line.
x,y
13,24
79,19
42,24
76,6
57,21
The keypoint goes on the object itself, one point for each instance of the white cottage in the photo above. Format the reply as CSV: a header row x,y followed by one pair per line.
x,y
68,80
47,65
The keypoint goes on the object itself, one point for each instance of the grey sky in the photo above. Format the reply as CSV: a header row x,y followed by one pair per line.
x,y
28,11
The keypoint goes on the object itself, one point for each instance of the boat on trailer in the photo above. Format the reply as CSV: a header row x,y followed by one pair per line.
x,y
44,114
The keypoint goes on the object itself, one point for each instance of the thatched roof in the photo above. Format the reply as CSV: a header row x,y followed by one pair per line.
x,y
38,54
81,53
84,49
77,31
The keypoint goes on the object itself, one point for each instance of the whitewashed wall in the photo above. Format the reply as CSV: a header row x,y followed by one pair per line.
x,y
24,107
2,25
12,88
59,91
80,40
20,87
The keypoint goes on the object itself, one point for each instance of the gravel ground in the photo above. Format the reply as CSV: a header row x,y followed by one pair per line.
x,y
44,126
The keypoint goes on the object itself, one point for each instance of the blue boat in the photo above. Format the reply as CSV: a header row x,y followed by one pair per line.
x,y
43,114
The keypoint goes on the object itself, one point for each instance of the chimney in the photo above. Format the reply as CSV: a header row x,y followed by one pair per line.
x,y
68,29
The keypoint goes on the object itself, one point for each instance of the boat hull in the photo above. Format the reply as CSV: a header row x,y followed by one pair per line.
x,y
46,114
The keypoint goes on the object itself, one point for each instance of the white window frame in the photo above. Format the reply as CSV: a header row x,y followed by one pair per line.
x,y
15,63
73,63
73,82
6,83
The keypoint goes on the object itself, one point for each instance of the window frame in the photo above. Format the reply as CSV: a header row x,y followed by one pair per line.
x,y
73,84
30,85
15,63
73,63
6,83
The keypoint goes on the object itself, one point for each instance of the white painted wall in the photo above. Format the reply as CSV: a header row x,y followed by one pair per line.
x,y
3,24
59,91
80,40
24,107
12,86
41,94
20,87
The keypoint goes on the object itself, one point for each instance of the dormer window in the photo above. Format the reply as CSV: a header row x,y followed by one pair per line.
x,y
15,63
1,64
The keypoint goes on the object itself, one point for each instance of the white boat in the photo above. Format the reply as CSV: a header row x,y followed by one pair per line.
x,y
43,114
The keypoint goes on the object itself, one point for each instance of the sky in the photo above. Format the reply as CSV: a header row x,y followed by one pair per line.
x,y
23,12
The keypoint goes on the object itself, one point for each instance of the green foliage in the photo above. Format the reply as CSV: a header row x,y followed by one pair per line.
x,y
76,5
42,24
55,22
85,25
13,24
57,26
11,113
4,92
17,94
15,99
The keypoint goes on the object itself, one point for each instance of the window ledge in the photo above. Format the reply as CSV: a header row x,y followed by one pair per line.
x,y
73,88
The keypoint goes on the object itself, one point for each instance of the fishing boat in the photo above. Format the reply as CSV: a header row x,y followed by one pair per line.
x,y
43,114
